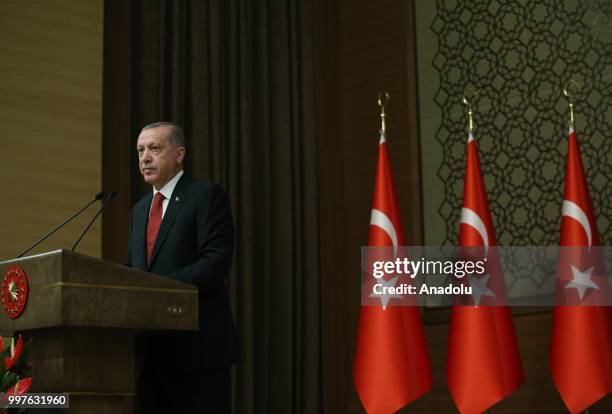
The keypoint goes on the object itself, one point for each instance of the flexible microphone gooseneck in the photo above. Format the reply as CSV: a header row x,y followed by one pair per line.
x,y
97,197
109,198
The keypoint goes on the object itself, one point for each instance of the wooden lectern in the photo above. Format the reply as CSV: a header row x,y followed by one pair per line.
x,y
83,314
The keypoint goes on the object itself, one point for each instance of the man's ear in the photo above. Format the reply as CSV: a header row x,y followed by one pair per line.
x,y
180,154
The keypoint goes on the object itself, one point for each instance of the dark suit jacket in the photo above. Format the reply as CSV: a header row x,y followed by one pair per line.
x,y
194,245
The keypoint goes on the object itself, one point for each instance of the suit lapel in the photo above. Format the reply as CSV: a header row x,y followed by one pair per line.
x,y
140,234
174,206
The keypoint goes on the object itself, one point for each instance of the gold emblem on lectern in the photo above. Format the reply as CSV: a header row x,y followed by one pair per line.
x,y
14,291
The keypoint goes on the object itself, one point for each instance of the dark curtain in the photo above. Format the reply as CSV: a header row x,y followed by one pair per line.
x,y
238,75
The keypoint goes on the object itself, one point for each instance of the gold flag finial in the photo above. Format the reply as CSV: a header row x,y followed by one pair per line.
x,y
383,99
469,96
571,87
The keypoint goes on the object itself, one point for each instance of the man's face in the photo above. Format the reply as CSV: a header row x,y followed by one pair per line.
x,y
158,159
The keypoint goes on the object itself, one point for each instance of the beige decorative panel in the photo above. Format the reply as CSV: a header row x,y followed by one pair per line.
x,y
50,118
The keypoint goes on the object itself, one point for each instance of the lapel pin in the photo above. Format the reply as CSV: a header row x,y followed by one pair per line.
x,y
177,199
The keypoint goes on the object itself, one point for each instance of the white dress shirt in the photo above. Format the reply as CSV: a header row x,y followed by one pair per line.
x,y
166,191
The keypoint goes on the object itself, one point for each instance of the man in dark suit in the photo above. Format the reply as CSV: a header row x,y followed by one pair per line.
x,y
183,230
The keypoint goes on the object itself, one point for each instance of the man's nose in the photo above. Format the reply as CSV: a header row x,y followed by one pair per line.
x,y
146,157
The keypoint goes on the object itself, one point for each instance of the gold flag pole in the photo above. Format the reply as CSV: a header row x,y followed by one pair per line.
x,y
383,99
469,96
571,87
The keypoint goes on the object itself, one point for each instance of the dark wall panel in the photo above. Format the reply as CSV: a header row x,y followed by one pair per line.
x,y
361,48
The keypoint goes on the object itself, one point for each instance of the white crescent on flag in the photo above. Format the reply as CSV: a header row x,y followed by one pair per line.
x,y
380,219
573,210
471,218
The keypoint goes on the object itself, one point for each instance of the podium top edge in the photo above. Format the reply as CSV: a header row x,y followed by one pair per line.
x,y
50,253
63,260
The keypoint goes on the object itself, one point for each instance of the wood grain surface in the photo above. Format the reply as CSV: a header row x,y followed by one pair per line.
x,y
50,117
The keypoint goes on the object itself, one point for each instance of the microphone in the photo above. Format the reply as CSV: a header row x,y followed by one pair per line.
x,y
109,198
43,238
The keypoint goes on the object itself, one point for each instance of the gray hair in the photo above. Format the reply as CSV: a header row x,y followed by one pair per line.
x,y
176,132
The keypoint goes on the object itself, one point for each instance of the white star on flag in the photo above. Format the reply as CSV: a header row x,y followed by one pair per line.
x,y
582,281
385,296
479,288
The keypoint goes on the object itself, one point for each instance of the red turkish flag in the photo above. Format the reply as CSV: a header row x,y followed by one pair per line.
x,y
391,361
581,343
483,364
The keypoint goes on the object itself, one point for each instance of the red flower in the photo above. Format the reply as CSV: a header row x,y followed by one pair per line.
x,y
10,361
21,387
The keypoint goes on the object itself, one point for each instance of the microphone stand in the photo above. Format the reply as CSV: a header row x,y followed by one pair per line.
x,y
91,222
36,243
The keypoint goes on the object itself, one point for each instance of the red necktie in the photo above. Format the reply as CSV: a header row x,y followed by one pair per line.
x,y
155,219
